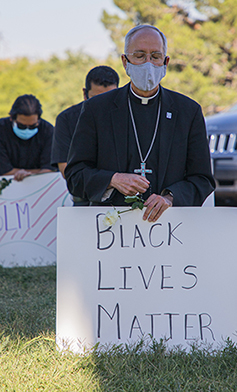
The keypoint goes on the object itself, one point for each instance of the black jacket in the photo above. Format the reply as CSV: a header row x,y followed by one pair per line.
x,y
99,149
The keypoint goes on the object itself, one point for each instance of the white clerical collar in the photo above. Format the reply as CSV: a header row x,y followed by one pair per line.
x,y
144,100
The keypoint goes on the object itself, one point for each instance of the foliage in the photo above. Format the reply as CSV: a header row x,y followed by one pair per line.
x,y
4,183
30,361
203,54
54,82
136,201
57,83
203,58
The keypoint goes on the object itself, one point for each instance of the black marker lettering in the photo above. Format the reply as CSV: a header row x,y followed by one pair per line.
x,y
205,326
186,326
171,233
146,284
150,233
152,321
116,309
191,274
163,277
121,238
99,232
125,279
99,280
135,319
170,322
139,236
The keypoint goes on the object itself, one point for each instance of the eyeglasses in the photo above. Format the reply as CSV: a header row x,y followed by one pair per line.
x,y
140,57
23,126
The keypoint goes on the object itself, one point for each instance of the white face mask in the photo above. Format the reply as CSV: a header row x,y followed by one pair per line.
x,y
145,76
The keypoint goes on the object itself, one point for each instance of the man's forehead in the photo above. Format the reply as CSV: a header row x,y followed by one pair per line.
x,y
144,36
27,119
97,89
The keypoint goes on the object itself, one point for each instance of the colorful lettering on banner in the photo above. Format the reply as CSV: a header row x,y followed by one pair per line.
x,y
28,220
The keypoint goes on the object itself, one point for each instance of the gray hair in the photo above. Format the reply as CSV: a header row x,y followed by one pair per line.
x,y
139,27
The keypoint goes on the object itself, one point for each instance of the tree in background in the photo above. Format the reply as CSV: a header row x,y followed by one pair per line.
x,y
203,53
203,58
56,82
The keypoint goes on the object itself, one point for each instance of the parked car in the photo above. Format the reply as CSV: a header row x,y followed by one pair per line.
x,y
222,136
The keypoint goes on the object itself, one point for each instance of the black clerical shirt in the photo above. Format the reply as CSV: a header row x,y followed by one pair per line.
x,y
145,117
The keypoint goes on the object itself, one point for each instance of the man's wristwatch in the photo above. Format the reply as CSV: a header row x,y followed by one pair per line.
x,y
166,192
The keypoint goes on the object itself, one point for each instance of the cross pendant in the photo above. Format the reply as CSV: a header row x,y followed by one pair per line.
x,y
143,170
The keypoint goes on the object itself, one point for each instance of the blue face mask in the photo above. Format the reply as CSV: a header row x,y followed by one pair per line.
x,y
24,134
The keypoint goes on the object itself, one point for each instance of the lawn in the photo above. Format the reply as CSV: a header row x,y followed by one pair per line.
x,y
29,360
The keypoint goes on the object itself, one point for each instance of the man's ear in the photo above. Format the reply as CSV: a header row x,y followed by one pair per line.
x,y
166,61
85,94
124,61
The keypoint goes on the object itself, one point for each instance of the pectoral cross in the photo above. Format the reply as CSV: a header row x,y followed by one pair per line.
x,y
143,170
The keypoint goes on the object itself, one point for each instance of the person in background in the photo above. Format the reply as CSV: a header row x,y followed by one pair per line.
x,y
99,80
25,140
141,138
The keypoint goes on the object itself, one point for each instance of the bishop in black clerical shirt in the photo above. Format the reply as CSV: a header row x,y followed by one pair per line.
x,y
141,125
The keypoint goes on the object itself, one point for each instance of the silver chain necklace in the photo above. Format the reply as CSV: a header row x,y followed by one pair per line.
x,y
143,169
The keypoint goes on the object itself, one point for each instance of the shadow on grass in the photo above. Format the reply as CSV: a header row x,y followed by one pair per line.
x,y
27,301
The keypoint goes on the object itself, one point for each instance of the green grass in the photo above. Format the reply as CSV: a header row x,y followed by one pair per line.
x,y
27,301
29,360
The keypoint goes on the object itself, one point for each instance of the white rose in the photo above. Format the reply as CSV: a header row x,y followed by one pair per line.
x,y
110,218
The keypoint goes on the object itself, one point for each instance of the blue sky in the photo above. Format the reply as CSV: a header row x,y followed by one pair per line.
x,y
38,29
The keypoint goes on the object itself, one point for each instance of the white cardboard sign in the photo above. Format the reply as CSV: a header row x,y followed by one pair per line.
x,y
28,219
173,279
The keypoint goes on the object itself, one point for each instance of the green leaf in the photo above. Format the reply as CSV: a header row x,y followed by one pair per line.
x,y
4,183
135,205
130,199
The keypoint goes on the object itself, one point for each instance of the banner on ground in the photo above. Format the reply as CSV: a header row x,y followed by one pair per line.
x,y
28,219
173,279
